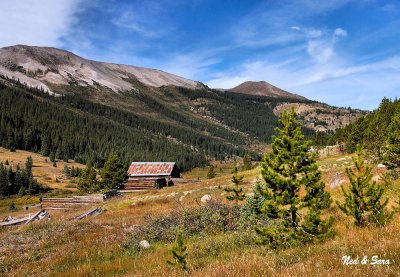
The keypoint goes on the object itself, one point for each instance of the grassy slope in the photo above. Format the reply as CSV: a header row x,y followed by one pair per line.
x,y
92,247
42,170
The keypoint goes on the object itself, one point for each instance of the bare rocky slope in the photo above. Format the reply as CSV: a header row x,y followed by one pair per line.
x,y
319,116
49,67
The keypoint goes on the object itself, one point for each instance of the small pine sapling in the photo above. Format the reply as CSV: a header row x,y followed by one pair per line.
x,y
235,192
247,162
12,207
179,253
391,157
364,199
211,172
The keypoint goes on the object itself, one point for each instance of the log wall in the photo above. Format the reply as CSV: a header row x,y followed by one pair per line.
x,y
71,202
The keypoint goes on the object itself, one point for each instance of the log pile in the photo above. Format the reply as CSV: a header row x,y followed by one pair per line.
x,y
78,201
68,203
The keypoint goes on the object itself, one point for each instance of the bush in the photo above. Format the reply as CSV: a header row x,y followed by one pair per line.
x,y
211,218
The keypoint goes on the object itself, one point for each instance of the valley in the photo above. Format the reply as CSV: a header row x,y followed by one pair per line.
x,y
102,245
239,174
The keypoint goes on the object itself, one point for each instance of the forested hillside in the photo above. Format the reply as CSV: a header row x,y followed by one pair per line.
x,y
72,127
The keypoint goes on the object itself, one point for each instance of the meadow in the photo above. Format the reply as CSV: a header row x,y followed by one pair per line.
x,y
106,245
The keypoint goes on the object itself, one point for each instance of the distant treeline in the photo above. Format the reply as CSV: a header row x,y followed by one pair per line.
x,y
370,131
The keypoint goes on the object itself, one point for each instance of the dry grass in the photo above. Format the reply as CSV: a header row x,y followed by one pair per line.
x,y
93,247
42,170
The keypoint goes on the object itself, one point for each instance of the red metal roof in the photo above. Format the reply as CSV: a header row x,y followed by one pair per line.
x,y
151,169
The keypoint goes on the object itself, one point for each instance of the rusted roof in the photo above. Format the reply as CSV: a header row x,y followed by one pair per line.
x,y
151,169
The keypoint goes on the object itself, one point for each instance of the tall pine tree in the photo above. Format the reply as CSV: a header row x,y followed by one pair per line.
x,y
114,172
286,170
88,182
3,181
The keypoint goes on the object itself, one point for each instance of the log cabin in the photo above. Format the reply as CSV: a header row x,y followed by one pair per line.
x,y
151,175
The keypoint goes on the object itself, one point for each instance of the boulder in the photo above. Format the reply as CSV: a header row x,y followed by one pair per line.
x,y
205,198
381,166
144,244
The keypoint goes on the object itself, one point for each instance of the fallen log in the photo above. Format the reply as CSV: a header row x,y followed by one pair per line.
x,y
91,212
33,217
25,220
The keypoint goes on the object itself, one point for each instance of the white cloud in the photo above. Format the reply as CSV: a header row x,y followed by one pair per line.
x,y
297,28
339,32
321,48
314,33
321,51
36,22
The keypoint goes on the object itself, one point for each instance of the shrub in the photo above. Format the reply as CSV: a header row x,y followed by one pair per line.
x,y
211,218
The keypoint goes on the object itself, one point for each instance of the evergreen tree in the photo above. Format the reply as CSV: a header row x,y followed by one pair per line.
x,y
3,181
364,198
247,162
114,172
179,253
19,180
211,172
88,182
45,147
235,192
52,157
13,188
235,169
59,153
22,191
288,168
28,167
67,171
392,149
12,207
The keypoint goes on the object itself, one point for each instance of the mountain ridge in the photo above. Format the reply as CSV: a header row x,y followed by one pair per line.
x,y
48,67
263,88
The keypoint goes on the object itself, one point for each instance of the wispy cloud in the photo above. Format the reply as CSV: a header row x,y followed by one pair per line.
x,y
36,22
151,19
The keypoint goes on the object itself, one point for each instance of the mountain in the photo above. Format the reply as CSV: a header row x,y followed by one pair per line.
x,y
53,101
50,68
263,88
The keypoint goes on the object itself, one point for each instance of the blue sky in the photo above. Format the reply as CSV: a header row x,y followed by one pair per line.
x,y
343,52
